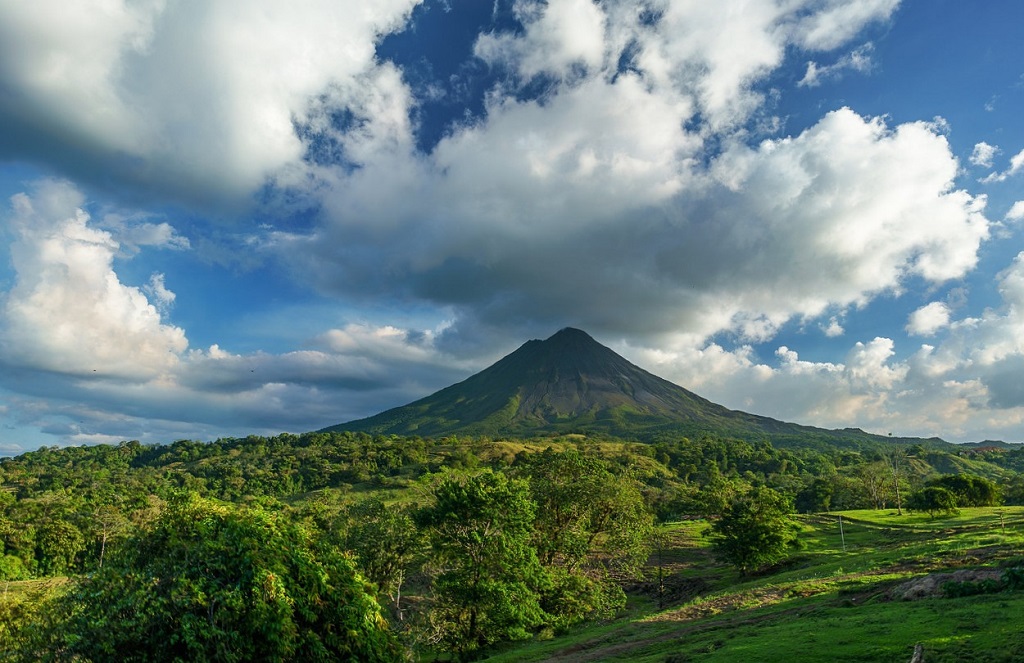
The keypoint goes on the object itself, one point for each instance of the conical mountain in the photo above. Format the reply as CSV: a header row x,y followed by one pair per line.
x,y
571,383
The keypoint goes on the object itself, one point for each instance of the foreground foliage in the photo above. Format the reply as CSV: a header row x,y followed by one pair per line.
x,y
215,550
489,584
207,582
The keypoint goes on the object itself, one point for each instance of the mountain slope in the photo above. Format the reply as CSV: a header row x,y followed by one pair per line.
x,y
571,383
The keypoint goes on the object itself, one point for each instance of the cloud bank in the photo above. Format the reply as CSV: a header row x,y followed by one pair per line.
x,y
626,174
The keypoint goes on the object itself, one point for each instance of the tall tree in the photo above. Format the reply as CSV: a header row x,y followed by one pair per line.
x,y
387,545
583,509
591,523
489,580
874,478
896,460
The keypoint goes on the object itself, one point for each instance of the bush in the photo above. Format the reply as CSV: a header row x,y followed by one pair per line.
x,y
955,590
933,500
1013,578
12,568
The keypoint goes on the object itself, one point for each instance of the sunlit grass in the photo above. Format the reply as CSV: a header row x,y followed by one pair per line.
x,y
825,604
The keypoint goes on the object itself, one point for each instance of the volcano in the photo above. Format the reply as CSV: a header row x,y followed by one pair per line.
x,y
570,383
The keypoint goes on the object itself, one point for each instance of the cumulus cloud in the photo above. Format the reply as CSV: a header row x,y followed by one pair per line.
x,y
833,328
158,292
969,383
92,358
189,99
983,154
559,36
619,177
1016,212
679,249
612,163
68,311
927,394
928,319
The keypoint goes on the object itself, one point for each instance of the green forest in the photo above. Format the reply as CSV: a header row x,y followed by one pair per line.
x,y
345,546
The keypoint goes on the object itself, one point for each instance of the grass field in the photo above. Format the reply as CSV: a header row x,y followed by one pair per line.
x,y
824,604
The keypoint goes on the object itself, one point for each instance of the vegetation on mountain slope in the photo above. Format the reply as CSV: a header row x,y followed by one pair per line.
x,y
570,383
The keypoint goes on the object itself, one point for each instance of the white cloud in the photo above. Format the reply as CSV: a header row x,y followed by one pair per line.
x,y
91,359
161,235
965,388
710,54
560,35
193,99
834,328
924,395
68,312
858,60
928,319
1016,166
604,170
984,154
836,22
1016,212
868,368
158,292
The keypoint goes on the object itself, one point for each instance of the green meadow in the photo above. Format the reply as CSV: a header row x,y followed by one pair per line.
x,y
824,604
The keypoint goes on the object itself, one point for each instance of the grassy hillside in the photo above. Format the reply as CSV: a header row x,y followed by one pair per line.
x,y
826,604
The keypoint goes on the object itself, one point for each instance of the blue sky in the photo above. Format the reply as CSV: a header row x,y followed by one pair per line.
x,y
240,217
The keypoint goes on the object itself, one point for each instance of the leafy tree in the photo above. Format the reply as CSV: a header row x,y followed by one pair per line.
x,y
933,499
584,509
488,585
969,489
12,568
816,497
18,612
848,493
755,530
18,540
874,479
715,496
208,582
387,544
58,542
589,521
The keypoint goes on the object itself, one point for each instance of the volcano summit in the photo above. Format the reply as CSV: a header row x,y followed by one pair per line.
x,y
570,383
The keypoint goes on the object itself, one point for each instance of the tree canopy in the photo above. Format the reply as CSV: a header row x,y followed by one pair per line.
x,y
211,582
755,530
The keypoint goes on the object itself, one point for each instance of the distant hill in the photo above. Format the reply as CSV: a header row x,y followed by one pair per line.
x,y
570,383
